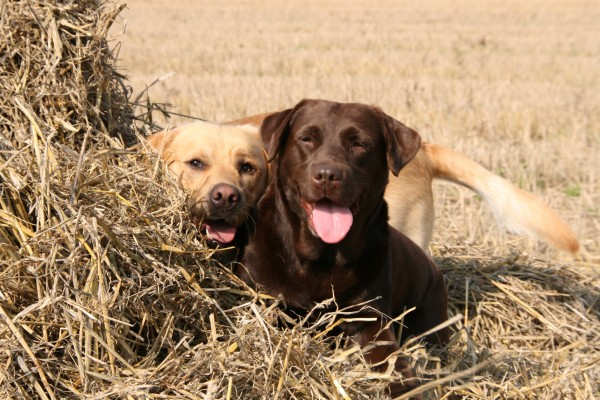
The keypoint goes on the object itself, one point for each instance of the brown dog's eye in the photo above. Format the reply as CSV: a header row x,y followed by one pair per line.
x,y
195,163
358,147
246,168
306,139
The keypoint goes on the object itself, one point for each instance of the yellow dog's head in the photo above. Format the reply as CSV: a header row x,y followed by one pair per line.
x,y
224,168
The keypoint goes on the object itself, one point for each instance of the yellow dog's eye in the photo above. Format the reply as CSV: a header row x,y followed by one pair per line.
x,y
246,168
196,164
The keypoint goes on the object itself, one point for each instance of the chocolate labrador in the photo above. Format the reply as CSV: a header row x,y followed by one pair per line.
x,y
322,228
410,196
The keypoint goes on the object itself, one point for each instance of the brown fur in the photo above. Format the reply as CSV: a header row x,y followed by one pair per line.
x,y
354,146
410,197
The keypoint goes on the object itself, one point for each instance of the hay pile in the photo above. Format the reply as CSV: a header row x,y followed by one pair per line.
x,y
106,291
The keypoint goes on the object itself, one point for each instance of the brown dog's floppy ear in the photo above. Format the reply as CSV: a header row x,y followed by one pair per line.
x,y
402,143
274,130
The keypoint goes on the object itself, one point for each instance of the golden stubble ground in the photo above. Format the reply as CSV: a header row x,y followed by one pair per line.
x,y
106,290
511,84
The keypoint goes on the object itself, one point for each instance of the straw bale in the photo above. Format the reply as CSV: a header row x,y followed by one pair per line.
x,y
107,290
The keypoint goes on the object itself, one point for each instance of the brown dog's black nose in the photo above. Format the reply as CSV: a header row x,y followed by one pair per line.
x,y
224,196
326,174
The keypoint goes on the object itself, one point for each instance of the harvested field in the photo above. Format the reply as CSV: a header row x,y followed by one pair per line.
x,y
107,291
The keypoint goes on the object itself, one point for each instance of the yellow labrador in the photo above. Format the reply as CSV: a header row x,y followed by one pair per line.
x,y
225,168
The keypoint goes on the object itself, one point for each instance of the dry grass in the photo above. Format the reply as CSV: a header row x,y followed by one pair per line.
x,y
511,84
106,291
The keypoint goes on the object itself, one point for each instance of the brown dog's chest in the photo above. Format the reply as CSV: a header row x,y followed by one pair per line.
x,y
307,283
305,273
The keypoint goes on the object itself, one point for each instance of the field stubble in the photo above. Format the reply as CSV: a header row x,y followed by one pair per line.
x,y
105,286
512,85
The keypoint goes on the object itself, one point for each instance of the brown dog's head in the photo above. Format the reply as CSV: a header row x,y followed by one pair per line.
x,y
332,160
224,168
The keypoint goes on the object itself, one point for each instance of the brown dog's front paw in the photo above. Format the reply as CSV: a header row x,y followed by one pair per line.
x,y
376,352
409,380
396,389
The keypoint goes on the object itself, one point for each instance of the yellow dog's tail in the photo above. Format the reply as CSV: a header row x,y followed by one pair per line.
x,y
519,211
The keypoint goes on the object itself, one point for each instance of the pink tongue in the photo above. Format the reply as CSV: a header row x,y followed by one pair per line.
x,y
332,222
221,232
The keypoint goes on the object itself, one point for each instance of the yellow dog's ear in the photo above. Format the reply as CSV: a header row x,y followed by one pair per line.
x,y
162,139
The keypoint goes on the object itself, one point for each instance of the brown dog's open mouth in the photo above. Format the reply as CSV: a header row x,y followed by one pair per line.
x,y
219,231
330,221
